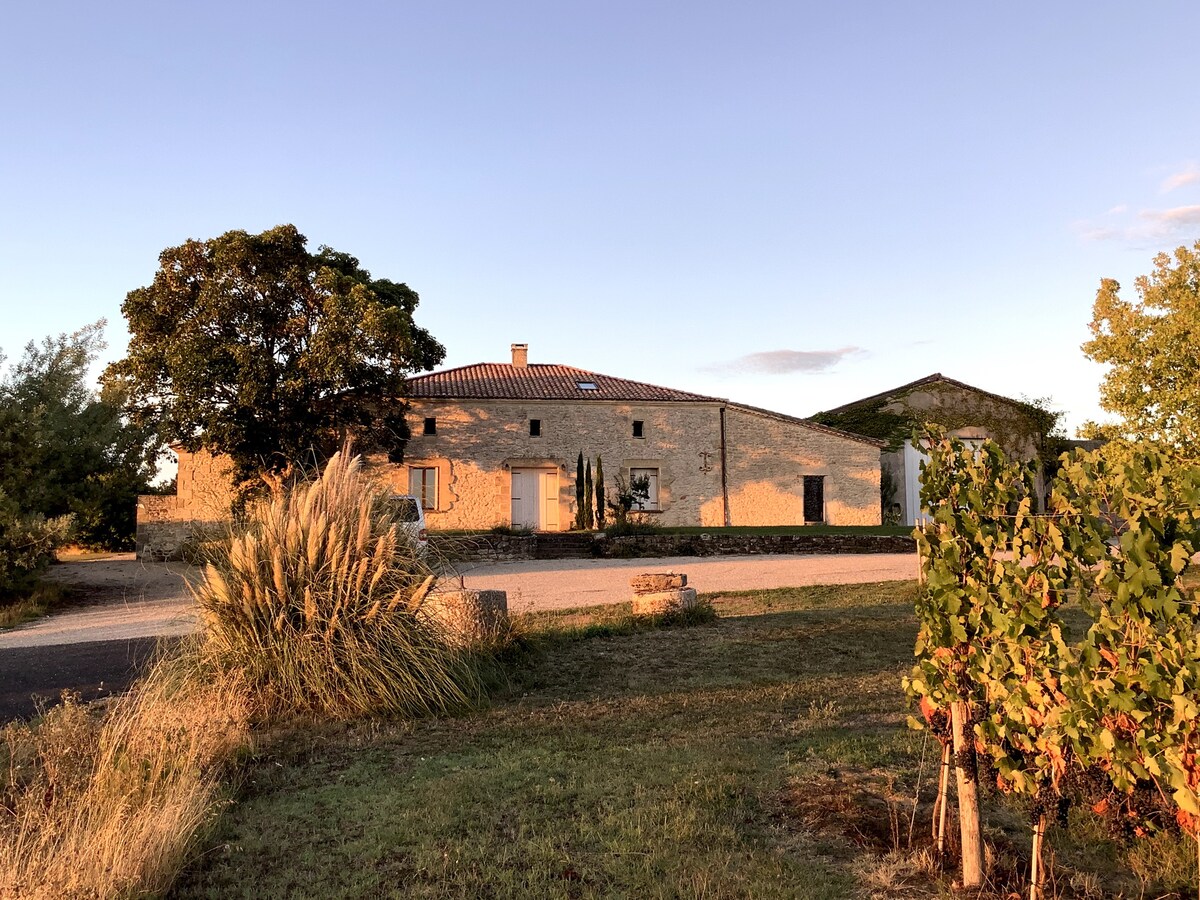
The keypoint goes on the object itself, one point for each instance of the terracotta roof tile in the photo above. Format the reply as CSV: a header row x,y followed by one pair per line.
x,y
538,381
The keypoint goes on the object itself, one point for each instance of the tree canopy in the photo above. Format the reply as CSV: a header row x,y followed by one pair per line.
x,y
1153,349
251,346
66,450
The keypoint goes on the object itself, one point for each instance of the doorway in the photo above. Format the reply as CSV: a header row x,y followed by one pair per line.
x,y
535,499
814,499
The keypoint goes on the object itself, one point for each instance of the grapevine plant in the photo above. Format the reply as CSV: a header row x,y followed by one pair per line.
x,y
1108,717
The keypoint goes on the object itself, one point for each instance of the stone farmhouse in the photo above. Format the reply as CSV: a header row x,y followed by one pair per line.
x,y
966,412
497,444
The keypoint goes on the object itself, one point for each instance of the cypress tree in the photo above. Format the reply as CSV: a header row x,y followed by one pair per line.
x,y
599,492
587,495
580,524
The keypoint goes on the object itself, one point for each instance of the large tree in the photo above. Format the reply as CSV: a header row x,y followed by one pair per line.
x,y
251,346
1152,347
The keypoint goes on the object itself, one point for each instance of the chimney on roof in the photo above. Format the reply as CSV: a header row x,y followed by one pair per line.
x,y
520,354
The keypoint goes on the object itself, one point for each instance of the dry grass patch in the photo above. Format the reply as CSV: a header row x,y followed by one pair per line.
x,y
107,805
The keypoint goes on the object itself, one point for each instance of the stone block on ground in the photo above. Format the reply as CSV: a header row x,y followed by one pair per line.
x,y
468,618
652,582
659,602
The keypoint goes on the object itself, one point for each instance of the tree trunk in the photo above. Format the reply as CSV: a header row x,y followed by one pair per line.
x,y
968,798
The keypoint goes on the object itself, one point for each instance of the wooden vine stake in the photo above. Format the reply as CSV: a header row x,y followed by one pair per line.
x,y
939,806
968,800
1037,873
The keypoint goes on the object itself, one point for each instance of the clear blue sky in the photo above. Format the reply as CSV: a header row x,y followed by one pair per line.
x,y
789,204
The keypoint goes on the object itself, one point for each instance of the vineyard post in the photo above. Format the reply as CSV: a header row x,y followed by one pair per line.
x,y
1037,873
940,809
968,798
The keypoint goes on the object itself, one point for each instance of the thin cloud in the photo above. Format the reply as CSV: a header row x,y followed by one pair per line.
x,y
784,362
1172,218
1188,175
1147,225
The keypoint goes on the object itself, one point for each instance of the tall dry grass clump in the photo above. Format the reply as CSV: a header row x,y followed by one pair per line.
x,y
110,805
316,603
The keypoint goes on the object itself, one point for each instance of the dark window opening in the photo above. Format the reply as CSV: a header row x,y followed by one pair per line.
x,y
430,426
535,427
638,428
814,498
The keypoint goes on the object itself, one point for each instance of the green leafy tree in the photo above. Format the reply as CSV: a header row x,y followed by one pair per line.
x,y
66,450
580,522
1152,347
588,517
252,346
599,493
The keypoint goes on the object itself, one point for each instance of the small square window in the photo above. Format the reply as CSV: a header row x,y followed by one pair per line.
x,y
430,426
638,428
586,385
535,427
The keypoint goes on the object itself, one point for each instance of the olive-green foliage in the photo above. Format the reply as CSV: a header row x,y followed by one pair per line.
x,y
1152,349
316,603
588,515
1109,714
66,450
599,493
252,346
27,545
580,489
870,420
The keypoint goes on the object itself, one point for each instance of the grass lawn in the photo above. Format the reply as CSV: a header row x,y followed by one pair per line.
x,y
40,600
763,755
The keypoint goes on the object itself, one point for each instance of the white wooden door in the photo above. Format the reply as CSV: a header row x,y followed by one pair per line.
x,y
535,498
525,498
548,500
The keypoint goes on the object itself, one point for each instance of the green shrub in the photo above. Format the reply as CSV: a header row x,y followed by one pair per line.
x,y
511,530
316,601
27,545
632,523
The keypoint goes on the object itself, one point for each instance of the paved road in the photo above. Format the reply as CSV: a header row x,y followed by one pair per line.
x,y
567,583
127,606
30,676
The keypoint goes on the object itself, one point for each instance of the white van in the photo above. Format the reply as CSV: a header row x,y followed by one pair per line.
x,y
411,519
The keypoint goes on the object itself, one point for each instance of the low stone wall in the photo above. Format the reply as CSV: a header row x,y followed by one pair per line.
x,y
497,547
489,547
633,546
161,537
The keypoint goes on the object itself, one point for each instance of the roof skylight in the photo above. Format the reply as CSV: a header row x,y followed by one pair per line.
x,y
586,385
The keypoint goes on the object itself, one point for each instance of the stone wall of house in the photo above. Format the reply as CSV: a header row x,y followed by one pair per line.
x,y
970,415
166,524
769,456
478,443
